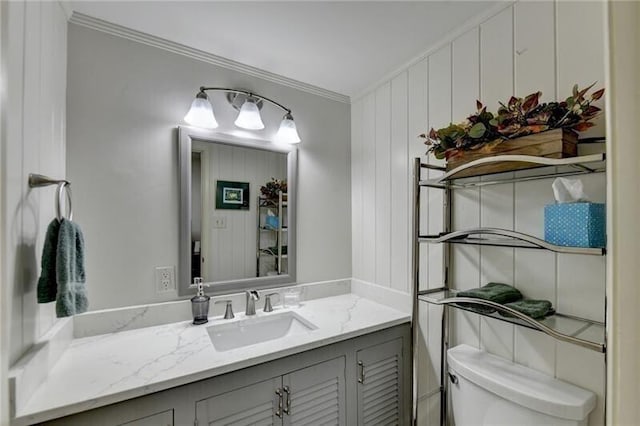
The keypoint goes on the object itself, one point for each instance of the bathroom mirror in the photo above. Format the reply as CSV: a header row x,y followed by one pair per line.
x,y
232,234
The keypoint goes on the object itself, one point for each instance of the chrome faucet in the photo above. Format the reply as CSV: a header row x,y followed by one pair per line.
x,y
252,296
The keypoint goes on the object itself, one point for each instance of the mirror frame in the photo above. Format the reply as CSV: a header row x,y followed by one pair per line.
x,y
186,135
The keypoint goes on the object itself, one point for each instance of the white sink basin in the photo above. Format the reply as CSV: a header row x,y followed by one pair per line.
x,y
250,331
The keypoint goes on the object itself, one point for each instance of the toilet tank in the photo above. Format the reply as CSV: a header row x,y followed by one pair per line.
x,y
488,390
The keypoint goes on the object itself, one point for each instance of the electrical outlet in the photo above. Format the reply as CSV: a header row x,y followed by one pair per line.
x,y
219,222
165,279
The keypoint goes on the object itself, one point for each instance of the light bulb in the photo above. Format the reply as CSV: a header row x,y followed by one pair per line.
x,y
201,113
249,116
287,133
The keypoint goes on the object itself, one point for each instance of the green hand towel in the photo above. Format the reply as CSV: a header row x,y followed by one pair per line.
x,y
274,250
70,275
536,309
495,292
478,309
47,285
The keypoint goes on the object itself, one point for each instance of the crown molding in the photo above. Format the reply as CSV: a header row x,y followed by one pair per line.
x,y
180,49
448,38
66,8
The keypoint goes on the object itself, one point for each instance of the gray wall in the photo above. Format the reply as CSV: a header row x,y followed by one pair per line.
x,y
124,101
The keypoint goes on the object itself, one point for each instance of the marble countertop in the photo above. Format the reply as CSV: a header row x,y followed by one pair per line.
x,y
108,368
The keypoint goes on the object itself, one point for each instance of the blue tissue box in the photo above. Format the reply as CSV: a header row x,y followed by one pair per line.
x,y
271,222
575,224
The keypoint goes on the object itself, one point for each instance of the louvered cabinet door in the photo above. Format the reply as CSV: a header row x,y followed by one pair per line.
x,y
380,384
254,405
316,395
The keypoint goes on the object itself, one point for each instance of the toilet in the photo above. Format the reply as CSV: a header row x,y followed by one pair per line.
x,y
488,390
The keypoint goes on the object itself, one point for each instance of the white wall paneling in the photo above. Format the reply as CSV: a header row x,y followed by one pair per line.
x,y
417,122
383,184
496,208
439,114
400,197
35,45
439,108
357,181
534,44
523,48
4,289
369,195
580,57
465,90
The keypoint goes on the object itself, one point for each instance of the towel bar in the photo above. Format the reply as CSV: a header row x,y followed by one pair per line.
x,y
37,181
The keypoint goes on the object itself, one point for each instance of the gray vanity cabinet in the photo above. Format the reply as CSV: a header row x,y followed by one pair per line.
x,y
255,404
380,385
310,396
164,418
316,394
361,381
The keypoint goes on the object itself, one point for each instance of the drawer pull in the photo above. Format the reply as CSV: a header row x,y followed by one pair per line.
x,y
361,372
287,409
279,410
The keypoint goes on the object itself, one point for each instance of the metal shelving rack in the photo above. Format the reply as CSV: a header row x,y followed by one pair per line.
x,y
583,332
279,254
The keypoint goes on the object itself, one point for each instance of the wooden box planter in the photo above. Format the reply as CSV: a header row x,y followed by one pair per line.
x,y
556,143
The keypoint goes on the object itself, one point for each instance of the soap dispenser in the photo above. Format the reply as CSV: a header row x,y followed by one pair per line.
x,y
200,303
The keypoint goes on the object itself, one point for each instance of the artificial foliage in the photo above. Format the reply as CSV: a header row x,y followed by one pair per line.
x,y
271,189
518,117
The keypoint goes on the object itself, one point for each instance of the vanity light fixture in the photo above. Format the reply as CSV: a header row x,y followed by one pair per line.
x,y
201,112
249,116
249,104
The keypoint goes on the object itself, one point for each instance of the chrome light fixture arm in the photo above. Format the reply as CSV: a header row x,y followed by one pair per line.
x,y
204,89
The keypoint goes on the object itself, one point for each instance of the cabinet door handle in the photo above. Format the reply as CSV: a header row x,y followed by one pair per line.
x,y
287,409
279,410
361,372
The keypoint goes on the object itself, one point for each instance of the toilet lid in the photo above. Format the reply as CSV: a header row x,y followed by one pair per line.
x,y
520,384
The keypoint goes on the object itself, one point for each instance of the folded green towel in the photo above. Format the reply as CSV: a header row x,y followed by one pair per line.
x,y
274,250
71,296
534,308
47,285
495,292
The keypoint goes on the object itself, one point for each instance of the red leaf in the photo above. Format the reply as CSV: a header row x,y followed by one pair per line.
x,y
531,101
478,105
512,101
597,95
580,127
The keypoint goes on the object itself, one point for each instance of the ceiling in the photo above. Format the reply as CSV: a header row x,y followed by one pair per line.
x,y
339,46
